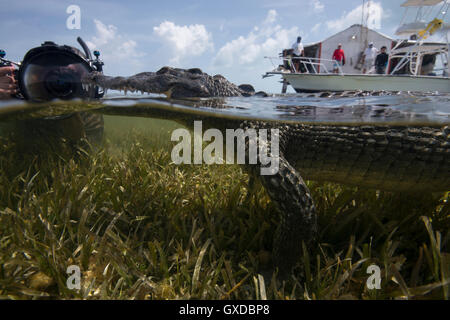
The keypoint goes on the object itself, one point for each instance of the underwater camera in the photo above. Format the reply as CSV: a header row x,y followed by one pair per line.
x,y
52,72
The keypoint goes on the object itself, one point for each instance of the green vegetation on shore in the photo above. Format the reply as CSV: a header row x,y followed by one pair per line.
x,y
140,227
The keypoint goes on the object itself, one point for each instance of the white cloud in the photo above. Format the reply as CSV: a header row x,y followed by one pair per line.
x,y
104,34
265,40
271,17
317,6
316,27
117,51
373,10
192,40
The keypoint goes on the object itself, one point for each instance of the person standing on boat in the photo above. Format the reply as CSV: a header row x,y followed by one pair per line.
x,y
298,51
369,57
381,61
339,58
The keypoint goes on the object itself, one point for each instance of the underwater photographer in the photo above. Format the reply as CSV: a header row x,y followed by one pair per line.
x,y
47,73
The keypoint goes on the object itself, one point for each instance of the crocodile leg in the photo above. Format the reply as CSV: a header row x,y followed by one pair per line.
x,y
289,192
298,215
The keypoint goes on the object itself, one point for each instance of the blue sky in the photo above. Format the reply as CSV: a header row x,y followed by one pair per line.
x,y
227,37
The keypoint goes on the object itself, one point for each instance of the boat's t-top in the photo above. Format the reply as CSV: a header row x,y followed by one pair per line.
x,y
427,19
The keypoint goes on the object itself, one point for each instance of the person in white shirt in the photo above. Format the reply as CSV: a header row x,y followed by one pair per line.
x,y
369,57
298,50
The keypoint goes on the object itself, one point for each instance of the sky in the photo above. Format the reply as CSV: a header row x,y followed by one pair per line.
x,y
220,37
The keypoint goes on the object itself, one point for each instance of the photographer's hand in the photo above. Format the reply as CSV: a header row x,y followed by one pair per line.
x,y
8,84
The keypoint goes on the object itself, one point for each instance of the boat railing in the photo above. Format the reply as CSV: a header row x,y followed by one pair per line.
x,y
310,64
413,55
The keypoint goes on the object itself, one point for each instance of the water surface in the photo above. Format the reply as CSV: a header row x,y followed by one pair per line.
x,y
403,107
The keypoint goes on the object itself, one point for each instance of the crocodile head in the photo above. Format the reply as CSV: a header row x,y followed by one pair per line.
x,y
173,82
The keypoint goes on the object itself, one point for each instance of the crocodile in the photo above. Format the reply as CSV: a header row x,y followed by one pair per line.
x,y
175,83
188,83
407,158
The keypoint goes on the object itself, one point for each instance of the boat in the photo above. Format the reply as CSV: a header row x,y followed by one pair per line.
x,y
415,62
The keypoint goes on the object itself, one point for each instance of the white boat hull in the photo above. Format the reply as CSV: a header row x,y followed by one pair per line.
x,y
304,82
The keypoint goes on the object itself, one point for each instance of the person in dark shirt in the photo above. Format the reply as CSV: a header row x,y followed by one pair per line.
x,y
381,61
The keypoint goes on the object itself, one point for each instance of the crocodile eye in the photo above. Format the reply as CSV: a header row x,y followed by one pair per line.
x,y
219,77
195,71
163,70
